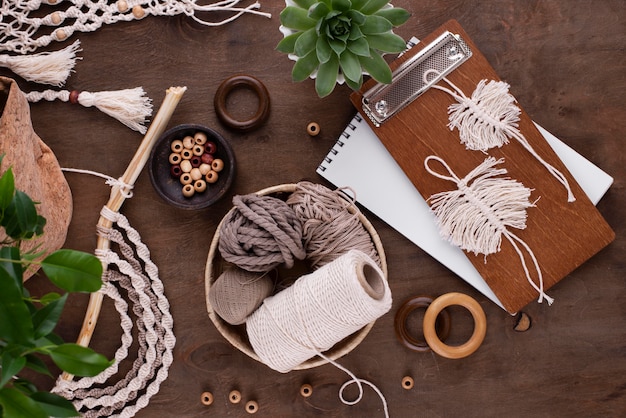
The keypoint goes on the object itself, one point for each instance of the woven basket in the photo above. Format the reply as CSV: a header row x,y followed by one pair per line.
x,y
236,334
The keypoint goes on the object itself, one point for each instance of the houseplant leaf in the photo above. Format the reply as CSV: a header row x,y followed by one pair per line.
x,y
15,319
55,405
304,66
327,77
350,66
376,66
288,43
46,318
78,360
373,6
7,188
387,42
375,24
12,363
305,43
15,404
20,217
396,15
296,18
74,271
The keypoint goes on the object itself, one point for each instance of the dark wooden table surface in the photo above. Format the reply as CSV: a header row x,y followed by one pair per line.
x,y
566,65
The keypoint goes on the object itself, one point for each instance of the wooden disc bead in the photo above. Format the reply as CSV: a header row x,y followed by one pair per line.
x,y
175,158
186,166
211,177
407,382
206,398
188,190
313,129
188,142
186,154
306,390
199,185
177,146
217,165
234,396
185,179
195,174
200,138
252,407
198,150
204,168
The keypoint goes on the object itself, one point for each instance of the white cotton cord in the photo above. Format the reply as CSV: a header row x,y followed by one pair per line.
x,y
130,106
52,68
476,215
125,189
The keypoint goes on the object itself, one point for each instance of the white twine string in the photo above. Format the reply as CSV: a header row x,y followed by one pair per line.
x,y
125,189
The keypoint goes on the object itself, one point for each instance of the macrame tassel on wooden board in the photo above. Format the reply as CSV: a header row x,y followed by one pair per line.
x,y
488,119
477,215
46,67
130,106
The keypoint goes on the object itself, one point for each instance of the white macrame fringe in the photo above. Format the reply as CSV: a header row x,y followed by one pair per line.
x,y
488,119
477,215
46,67
130,106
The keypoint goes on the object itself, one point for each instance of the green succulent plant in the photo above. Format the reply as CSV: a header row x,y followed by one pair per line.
x,y
341,37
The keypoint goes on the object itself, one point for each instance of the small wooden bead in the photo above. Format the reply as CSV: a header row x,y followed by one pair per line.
x,y
177,145
188,190
200,138
61,35
234,396
210,147
195,174
185,165
207,158
185,179
138,12
217,165
205,168
211,177
74,96
176,171
122,6
188,142
175,158
55,18
407,382
195,161
186,154
252,407
306,390
313,128
206,398
198,150
199,185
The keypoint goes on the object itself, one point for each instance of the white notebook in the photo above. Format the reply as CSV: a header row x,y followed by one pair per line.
x,y
359,160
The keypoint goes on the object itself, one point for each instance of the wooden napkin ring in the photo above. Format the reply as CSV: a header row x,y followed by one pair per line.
x,y
253,84
480,325
442,324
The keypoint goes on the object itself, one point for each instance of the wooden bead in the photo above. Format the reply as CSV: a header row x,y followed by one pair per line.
x,y
188,190
306,390
210,147
74,96
185,165
177,145
200,138
207,158
234,396
122,6
188,142
195,174
175,158
217,165
60,34
211,177
55,18
407,382
252,407
186,154
206,398
198,150
195,161
138,12
199,185
176,171
185,179
313,128
204,168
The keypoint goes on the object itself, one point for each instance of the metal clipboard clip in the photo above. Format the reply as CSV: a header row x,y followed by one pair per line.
x,y
443,55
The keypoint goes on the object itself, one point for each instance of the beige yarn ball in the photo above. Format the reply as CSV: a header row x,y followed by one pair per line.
x,y
237,293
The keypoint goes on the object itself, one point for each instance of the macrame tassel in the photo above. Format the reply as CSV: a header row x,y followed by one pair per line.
x,y
129,106
488,119
476,216
46,67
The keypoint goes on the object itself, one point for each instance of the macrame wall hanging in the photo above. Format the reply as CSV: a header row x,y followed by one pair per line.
x,y
477,215
488,119
134,274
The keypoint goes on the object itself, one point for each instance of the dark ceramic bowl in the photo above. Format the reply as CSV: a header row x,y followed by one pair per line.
x,y
169,186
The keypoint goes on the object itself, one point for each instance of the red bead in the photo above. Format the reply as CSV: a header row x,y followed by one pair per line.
x,y
207,158
195,161
74,96
210,147
175,170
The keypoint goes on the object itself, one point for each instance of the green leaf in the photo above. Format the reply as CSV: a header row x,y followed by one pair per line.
x,y
12,363
55,405
288,43
15,319
359,47
305,43
375,24
15,404
342,5
356,17
327,77
387,42
337,46
49,297
46,319
7,188
350,66
78,360
355,33
323,49
296,18
377,67
318,11
372,6
304,67
305,4
396,15
355,85
74,271
358,4
20,217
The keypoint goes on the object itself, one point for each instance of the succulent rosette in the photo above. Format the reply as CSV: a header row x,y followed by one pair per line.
x,y
341,37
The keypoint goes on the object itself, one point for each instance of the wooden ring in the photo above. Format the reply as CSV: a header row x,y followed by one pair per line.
x,y
407,382
313,129
417,302
206,398
253,84
480,325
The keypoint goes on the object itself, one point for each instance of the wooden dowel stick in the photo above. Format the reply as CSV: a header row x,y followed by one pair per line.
x,y
117,198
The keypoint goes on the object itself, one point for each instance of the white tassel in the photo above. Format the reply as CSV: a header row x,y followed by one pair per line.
x,y
475,217
46,67
129,106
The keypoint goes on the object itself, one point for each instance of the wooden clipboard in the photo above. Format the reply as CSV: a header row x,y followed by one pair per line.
x,y
562,235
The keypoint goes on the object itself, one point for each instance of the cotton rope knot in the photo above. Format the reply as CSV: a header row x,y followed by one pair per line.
x,y
330,224
488,119
477,215
261,233
126,189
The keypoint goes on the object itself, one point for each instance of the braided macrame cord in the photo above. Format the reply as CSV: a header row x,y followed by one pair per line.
x,y
479,212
